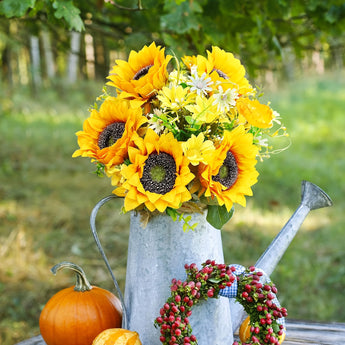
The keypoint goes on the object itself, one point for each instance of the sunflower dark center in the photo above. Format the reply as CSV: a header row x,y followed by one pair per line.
x,y
111,134
159,173
220,73
228,172
142,72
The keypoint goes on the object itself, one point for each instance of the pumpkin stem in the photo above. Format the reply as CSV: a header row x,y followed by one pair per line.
x,y
82,284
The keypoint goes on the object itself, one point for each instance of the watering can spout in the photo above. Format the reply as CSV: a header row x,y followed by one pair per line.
x,y
314,197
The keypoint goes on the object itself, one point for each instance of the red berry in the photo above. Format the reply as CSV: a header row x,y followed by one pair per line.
x,y
177,298
178,332
174,309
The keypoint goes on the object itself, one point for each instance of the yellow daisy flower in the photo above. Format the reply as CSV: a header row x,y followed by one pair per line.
x,y
158,175
107,133
195,148
175,98
204,110
143,75
177,77
257,114
230,171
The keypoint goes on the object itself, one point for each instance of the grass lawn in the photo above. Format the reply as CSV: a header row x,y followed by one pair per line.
x,y
46,198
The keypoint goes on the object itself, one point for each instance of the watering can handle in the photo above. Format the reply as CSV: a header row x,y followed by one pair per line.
x,y
100,248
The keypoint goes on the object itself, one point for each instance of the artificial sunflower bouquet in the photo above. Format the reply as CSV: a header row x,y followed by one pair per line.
x,y
180,136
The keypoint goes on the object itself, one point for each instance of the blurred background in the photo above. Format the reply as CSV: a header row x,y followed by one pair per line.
x,y
54,60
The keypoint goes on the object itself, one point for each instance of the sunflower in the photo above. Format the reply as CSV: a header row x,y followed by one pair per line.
x,y
223,68
158,175
257,114
107,133
230,171
143,75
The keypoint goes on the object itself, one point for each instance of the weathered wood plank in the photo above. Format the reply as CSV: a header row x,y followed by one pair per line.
x,y
298,333
301,332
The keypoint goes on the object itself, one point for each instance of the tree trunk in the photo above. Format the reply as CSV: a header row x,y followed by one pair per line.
x,y
90,57
35,62
72,67
48,55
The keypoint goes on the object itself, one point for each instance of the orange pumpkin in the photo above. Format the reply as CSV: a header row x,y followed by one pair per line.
x,y
117,336
244,331
76,315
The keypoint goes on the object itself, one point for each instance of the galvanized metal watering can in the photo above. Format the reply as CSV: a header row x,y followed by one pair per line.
x,y
154,258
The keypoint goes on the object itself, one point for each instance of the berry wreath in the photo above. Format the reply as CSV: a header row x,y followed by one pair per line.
x,y
250,286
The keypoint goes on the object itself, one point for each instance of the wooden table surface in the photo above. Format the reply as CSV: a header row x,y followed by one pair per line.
x,y
298,332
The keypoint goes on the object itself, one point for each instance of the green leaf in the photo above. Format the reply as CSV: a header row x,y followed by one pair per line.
x,y
15,8
67,11
214,280
172,213
217,215
182,18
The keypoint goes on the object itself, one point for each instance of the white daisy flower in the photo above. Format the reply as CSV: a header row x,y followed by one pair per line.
x,y
225,99
200,85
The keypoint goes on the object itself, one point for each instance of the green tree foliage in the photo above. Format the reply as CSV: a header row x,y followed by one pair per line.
x,y
259,31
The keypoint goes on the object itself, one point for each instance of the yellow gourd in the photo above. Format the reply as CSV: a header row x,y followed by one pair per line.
x,y
117,336
244,331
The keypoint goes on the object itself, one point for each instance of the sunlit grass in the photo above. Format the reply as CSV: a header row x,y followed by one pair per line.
x,y
46,198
